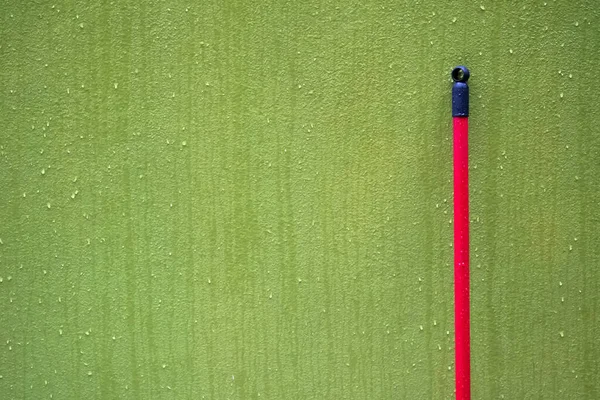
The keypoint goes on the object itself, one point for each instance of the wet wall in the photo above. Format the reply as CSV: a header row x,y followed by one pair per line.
x,y
253,200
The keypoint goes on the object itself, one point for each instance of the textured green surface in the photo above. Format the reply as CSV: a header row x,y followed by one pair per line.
x,y
229,200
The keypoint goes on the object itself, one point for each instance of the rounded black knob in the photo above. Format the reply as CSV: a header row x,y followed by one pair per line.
x,y
460,74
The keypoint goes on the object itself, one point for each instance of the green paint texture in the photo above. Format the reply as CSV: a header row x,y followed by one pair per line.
x,y
253,200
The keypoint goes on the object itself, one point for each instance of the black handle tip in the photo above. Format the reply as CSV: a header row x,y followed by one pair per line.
x,y
460,74
460,91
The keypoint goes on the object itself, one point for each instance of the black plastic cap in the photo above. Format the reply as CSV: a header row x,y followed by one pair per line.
x,y
460,74
460,91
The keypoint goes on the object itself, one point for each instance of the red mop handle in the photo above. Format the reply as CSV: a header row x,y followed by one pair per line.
x,y
462,333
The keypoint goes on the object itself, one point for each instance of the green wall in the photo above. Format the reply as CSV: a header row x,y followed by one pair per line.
x,y
253,200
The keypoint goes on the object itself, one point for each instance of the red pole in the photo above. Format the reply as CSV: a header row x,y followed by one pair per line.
x,y
462,333
461,259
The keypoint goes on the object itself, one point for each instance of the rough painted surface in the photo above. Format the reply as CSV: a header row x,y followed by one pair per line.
x,y
253,200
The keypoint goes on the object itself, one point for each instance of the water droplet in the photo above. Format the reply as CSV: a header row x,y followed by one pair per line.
x,y
561,333
510,51
43,171
184,143
482,7
48,205
89,373
116,85
576,23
